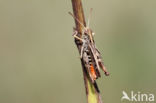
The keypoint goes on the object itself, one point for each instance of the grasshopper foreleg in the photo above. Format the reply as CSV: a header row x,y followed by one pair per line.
x,y
83,41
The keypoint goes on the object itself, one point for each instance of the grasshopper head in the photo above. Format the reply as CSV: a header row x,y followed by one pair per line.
x,y
87,30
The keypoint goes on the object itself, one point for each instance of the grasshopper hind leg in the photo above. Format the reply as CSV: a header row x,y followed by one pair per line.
x,y
104,68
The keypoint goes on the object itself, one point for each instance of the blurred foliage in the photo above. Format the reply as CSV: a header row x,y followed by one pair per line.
x,y
39,60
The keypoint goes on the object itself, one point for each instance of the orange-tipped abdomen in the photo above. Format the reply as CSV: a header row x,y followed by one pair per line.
x,y
93,73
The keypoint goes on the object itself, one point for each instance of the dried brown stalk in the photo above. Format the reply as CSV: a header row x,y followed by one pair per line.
x,y
92,91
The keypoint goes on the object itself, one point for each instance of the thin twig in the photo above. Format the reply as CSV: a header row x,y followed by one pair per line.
x,y
92,91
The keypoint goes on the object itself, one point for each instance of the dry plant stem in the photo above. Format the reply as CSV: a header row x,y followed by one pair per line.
x,y
92,91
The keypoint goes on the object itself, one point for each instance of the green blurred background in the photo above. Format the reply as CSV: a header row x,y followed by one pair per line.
x,y
39,60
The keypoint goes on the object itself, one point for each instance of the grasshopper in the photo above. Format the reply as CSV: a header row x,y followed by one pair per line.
x,y
89,53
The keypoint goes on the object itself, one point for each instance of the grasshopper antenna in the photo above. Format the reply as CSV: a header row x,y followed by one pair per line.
x,y
76,19
90,34
89,17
